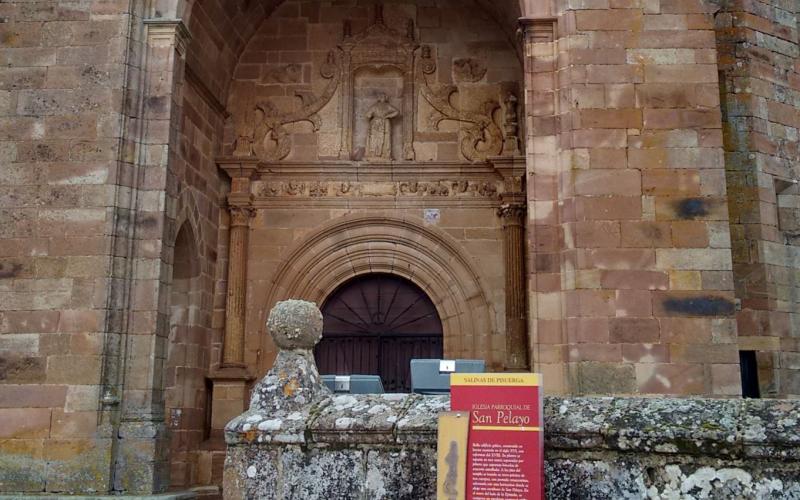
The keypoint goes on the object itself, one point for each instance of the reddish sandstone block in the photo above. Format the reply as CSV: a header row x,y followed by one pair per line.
x,y
686,330
681,118
32,396
596,352
610,118
680,73
608,182
621,95
689,234
645,353
609,20
636,303
614,73
609,208
703,353
669,182
592,303
616,258
599,138
646,234
634,330
587,330
660,39
671,378
635,280
70,425
20,423
550,331
597,234
608,158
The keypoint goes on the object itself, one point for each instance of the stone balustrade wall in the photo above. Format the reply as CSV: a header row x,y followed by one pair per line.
x,y
384,446
298,440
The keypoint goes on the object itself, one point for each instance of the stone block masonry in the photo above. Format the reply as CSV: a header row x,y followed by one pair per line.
x,y
299,441
616,191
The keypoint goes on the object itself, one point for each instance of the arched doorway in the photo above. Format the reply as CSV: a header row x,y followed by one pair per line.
x,y
375,324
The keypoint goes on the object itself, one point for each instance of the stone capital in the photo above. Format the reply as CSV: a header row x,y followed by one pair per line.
x,y
538,29
512,212
239,168
512,169
241,215
162,31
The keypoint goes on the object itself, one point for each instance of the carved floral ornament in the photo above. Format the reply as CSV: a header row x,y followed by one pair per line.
x,y
379,46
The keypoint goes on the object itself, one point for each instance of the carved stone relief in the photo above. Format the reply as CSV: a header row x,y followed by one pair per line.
x,y
381,76
378,48
481,137
468,70
338,189
510,126
268,138
286,73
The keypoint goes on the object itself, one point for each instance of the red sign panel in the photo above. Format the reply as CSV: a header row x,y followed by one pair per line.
x,y
506,456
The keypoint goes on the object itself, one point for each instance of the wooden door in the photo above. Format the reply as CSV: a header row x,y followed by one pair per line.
x,y
374,325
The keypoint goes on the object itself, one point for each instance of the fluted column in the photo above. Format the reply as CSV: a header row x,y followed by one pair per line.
x,y
513,216
235,304
240,204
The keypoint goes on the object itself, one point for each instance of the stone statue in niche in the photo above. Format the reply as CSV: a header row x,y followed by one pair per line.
x,y
379,132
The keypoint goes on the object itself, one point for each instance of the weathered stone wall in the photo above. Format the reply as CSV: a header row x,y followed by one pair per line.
x,y
377,447
61,90
631,279
298,440
758,59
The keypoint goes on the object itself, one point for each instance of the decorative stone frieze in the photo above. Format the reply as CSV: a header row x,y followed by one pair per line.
x,y
321,189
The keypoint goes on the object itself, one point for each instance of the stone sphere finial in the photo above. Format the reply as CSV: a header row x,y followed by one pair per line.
x,y
295,324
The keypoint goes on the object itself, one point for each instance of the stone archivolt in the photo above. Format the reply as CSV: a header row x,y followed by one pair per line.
x,y
353,245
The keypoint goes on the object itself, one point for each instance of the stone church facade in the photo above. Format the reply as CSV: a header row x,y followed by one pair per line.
x,y
602,191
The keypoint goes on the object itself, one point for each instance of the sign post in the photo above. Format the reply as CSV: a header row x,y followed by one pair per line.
x,y
505,453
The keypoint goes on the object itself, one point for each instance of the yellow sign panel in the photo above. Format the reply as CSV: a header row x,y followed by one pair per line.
x,y
451,470
489,379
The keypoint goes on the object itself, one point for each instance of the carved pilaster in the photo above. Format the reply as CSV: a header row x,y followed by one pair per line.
x,y
235,305
513,216
240,202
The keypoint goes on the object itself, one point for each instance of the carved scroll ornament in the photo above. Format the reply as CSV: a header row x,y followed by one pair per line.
x,y
270,139
482,137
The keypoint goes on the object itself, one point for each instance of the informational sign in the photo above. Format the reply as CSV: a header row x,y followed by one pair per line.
x,y
451,480
505,453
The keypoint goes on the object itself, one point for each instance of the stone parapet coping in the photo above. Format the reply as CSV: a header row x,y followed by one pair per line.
x,y
186,495
725,428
